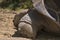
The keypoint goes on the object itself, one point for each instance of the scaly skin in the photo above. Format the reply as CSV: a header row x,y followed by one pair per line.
x,y
30,23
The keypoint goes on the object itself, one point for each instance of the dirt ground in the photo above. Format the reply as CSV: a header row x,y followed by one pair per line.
x,y
7,28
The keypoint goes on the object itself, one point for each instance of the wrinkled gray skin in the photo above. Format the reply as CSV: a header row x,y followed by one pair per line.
x,y
32,22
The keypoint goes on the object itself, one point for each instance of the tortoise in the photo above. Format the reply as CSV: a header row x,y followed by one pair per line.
x,y
38,18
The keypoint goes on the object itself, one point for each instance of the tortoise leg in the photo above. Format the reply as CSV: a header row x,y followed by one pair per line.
x,y
27,30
